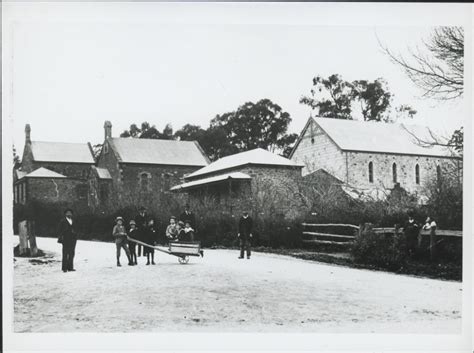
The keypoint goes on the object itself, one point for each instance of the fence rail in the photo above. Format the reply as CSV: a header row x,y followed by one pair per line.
x,y
310,236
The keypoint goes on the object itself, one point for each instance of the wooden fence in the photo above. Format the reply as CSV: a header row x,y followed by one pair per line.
x,y
311,235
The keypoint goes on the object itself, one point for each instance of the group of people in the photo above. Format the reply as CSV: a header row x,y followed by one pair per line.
x,y
412,232
142,229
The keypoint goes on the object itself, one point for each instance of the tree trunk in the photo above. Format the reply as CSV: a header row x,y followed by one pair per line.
x,y
32,238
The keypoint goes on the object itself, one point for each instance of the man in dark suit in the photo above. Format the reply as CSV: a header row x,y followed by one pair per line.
x,y
141,222
67,237
245,234
188,217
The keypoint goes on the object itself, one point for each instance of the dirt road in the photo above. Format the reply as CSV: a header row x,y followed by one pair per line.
x,y
222,293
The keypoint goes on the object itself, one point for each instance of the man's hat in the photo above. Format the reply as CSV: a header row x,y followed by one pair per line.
x,y
142,208
173,217
132,222
181,223
187,205
118,219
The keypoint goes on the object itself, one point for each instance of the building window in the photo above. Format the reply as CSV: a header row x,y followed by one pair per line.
x,y
144,180
371,172
438,173
15,194
81,191
104,192
106,148
22,193
417,174
166,179
394,172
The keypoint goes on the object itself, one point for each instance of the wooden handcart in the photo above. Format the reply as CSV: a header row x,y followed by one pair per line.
x,y
182,250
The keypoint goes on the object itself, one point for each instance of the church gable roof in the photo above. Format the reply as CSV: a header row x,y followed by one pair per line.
x,y
63,152
377,137
157,151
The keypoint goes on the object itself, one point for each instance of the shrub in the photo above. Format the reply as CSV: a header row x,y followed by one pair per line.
x,y
388,252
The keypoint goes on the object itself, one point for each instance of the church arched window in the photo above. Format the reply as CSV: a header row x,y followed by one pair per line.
x,y
417,174
371,172
394,172
438,173
144,181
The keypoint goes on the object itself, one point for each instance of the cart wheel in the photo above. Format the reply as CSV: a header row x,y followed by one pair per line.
x,y
183,260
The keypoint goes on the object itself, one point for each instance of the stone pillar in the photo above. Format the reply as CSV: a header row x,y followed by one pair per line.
x,y
32,238
23,232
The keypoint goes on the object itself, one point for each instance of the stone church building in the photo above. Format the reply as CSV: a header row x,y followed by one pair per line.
x,y
133,171
53,172
372,156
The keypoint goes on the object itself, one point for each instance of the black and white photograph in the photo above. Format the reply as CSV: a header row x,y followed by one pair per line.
x,y
286,175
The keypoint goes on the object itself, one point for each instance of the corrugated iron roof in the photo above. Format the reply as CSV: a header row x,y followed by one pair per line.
x,y
102,173
214,179
155,151
352,135
61,152
256,156
20,174
44,173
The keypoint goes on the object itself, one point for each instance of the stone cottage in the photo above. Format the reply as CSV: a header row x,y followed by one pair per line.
x,y
255,179
132,171
372,156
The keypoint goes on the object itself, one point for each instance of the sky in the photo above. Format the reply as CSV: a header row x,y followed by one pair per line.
x,y
67,75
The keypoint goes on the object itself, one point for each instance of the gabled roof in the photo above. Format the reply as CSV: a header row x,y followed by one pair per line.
x,y
211,180
44,173
155,151
366,136
257,156
63,152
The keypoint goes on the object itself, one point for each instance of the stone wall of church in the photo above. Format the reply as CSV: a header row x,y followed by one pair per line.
x,y
141,184
383,170
317,151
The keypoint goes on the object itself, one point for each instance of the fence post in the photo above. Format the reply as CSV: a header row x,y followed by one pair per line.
x,y
32,238
432,244
23,232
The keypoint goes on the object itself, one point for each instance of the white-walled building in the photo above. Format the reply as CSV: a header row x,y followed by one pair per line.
x,y
372,155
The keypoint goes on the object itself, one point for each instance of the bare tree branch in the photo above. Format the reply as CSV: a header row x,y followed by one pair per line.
x,y
438,70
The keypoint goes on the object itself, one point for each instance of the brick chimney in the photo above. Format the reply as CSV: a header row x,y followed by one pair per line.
x,y
27,134
108,129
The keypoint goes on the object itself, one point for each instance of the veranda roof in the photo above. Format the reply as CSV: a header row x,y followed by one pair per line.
x,y
211,180
255,156
44,173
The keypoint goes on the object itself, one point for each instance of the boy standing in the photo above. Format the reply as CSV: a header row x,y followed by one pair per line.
x,y
132,233
150,238
120,236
